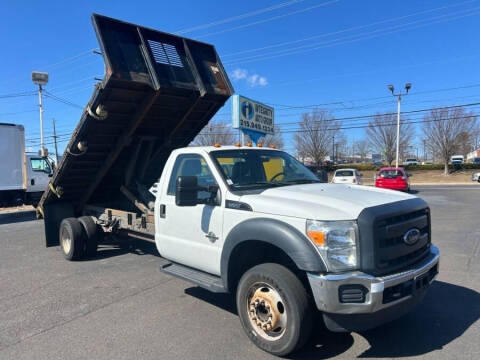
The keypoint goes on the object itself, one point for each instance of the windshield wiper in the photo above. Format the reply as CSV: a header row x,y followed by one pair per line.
x,y
254,183
300,181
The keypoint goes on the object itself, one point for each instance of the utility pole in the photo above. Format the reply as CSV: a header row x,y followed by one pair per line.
x,y
399,96
40,78
424,150
333,149
55,140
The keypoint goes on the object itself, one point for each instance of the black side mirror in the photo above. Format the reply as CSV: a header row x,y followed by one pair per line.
x,y
186,191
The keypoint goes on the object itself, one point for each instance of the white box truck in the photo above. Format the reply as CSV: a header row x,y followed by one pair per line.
x,y
24,177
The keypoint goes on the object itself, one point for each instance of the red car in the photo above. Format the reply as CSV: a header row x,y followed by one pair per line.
x,y
392,178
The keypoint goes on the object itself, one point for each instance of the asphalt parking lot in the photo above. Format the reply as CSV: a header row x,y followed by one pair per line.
x,y
118,305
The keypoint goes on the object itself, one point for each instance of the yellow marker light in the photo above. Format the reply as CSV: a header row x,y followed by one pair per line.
x,y
318,237
217,145
249,144
259,145
238,144
273,146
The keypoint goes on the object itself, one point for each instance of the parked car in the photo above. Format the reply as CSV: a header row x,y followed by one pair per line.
x,y
410,161
392,178
476,160
476,177
346,176
427,162
378,163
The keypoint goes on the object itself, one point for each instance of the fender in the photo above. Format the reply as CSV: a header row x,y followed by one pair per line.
x,y
277,233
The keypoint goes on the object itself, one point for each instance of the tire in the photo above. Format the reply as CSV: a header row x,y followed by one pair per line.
x,y
283,304
91,235
72,239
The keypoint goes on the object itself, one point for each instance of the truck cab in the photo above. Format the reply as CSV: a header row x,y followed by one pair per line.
x,y
356,250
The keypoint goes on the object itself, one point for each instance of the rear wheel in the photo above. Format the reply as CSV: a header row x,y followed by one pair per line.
x,y
72,239
91,232
274,309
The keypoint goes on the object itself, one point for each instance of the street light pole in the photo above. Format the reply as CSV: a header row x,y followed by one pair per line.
x,y
398,129
42,143
399,96
40,78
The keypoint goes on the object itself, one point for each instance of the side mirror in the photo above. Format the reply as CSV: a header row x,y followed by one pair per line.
x,y
186,191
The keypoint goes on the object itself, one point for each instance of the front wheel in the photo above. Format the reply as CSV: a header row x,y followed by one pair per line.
x,y
274,309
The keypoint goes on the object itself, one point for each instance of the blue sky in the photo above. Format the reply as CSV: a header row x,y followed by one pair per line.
x,y
288,53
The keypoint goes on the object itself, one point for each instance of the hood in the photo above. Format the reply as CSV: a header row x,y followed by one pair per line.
x,y
321,201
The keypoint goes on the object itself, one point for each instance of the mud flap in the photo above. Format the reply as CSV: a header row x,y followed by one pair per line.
x,y
53,215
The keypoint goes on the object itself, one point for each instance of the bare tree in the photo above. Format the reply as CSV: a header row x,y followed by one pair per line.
x,y
314,138
268,140
447,129
215,132
382,135
362,147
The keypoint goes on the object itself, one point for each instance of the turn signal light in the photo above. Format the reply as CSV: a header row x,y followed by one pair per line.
x,y
317,237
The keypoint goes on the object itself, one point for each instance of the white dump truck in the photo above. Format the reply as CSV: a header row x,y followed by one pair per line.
x,y
250,221
24,177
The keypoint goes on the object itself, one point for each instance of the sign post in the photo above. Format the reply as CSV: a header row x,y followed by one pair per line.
x,y
252,118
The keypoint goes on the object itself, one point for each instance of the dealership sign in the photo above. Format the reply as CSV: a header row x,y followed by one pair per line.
x,y
252,116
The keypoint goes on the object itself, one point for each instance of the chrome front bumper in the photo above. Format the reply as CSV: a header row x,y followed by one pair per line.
x,y
326,288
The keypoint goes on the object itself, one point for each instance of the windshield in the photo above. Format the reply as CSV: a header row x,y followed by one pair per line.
x,y
344,173
391,174
245,169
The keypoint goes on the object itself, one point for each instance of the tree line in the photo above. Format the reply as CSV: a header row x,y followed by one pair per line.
x,y
443,132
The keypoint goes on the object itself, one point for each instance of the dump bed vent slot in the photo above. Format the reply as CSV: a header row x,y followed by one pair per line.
x,y
165,53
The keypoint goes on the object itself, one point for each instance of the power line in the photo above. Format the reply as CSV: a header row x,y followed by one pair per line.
x,y
269,19
349,39
13,95
64,101
345,30
239,17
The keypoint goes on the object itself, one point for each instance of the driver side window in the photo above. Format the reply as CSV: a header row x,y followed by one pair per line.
x,y
40,165
192,165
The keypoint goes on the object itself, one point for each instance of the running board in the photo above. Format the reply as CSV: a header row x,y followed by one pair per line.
x,y
207,281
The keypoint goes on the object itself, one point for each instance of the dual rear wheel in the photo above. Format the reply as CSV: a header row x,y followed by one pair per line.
x,y
78,237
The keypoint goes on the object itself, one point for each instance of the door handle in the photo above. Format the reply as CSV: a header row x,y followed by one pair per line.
x,y
163,211
211,236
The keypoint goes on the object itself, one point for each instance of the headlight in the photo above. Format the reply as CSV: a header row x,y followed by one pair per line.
x,y
336,242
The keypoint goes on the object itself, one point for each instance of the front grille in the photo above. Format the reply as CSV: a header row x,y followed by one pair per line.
x,y
391,252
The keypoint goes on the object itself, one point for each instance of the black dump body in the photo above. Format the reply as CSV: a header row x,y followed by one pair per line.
x,y
158,92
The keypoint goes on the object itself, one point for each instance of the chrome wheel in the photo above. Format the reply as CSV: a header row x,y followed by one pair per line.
x,y
66,241
267,311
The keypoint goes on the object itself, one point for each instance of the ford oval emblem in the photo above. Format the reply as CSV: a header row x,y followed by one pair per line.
x,y
411,236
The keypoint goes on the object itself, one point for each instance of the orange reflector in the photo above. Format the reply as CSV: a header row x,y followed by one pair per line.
x,y
273,146
249,144
317,237
217,145
238,144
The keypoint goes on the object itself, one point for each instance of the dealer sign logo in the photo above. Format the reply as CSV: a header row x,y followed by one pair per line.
x,y
411,236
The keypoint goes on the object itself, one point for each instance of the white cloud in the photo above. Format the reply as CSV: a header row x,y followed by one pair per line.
x,y
252,80
239,74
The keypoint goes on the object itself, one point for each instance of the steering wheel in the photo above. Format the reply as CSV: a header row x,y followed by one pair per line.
x,y
277,175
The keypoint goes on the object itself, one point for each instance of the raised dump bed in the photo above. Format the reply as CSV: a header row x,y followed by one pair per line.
x,y
158,92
